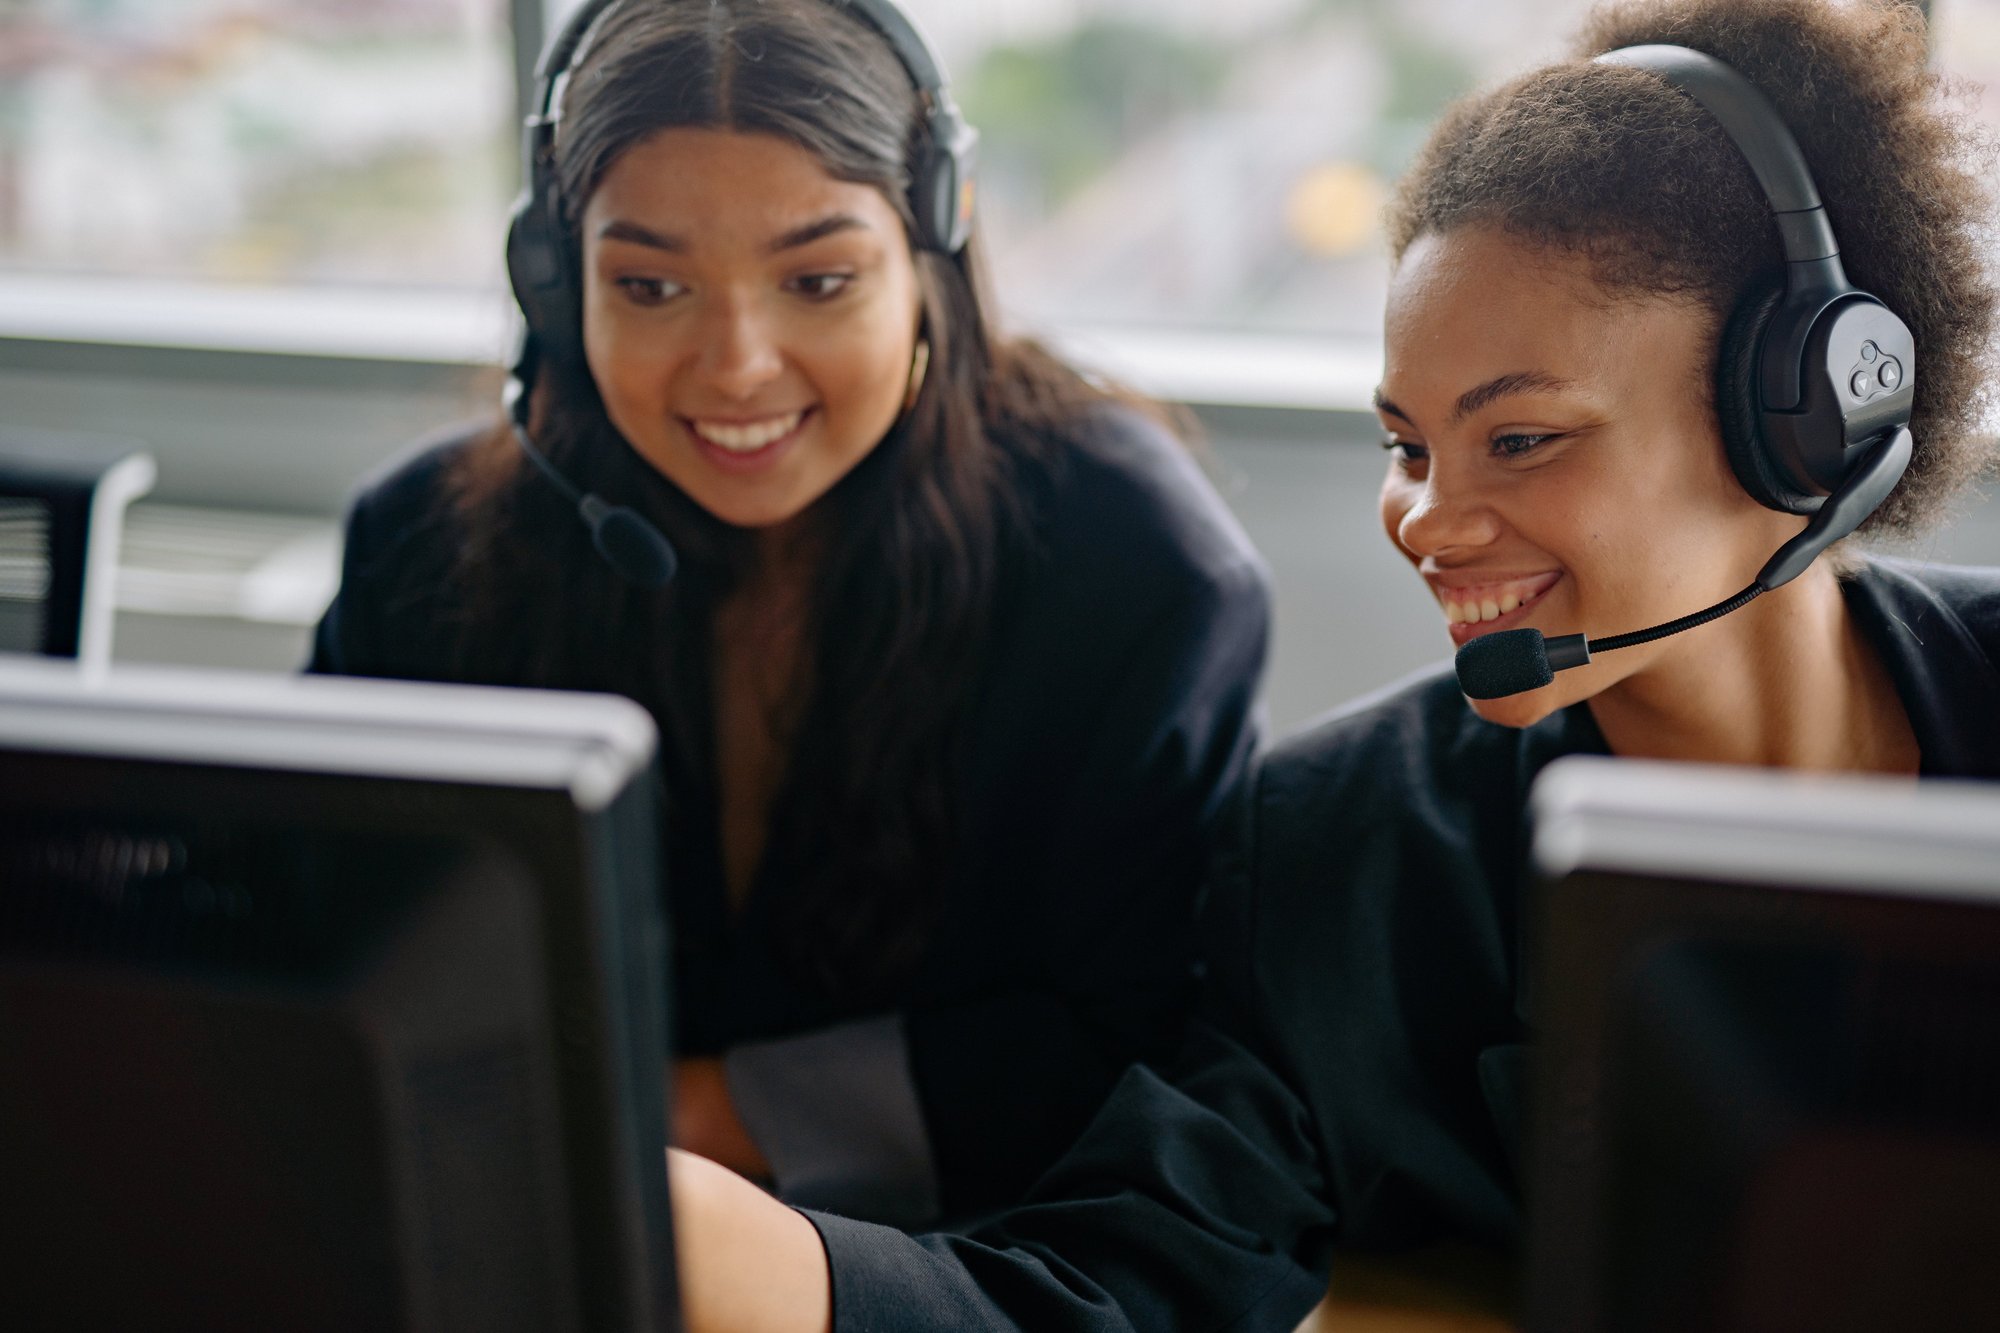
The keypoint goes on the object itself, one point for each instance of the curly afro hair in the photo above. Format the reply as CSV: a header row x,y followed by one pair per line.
x,y
1612,163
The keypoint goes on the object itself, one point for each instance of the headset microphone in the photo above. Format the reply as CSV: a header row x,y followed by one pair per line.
x,y
638,551
1513,661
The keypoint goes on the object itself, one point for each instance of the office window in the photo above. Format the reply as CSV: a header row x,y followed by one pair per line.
x,y
1967,42
1183,163
278,142
1149,164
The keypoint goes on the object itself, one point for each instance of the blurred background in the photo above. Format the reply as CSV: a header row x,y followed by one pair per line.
x,y
263,237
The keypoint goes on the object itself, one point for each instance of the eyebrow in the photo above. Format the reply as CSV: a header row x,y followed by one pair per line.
x,y
1500,386
818,229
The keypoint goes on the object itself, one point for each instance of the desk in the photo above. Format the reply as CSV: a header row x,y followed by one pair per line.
x,y
1444,1290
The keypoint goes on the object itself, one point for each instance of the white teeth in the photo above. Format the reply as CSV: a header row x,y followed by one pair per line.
x,y
1510,598
748,438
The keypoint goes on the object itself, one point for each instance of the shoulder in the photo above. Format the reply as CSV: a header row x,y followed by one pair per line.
x,y
1117,489
400,564
1969,591
412,491
1393,756
1417,729
1130,604
1916,592
1402,786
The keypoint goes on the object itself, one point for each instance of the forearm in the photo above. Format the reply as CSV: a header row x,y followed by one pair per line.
x,y
748,1264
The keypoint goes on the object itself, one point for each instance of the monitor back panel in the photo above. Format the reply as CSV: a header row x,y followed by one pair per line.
x,y
1766,1103
286,1050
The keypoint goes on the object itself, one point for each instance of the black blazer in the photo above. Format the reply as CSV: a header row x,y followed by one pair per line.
x,y
1113,722
1356,1075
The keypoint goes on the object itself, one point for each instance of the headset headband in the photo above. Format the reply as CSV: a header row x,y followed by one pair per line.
x,y
905,40
1759,133
941,185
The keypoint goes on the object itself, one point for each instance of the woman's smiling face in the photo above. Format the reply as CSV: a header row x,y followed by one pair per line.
x,y
749,320
1554,456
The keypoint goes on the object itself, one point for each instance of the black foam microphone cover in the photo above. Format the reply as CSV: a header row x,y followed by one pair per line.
x,y
1508,661
629,544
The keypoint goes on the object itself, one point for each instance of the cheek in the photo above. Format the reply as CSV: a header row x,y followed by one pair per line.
x,y
862,366
614,356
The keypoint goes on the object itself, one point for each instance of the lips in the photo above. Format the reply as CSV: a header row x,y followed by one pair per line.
x,y
1475,608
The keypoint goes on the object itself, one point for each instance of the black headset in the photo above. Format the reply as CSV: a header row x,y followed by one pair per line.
x,y
1812,371
542,255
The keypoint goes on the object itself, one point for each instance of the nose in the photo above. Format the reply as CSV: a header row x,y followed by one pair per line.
x,y
741,350
1438,515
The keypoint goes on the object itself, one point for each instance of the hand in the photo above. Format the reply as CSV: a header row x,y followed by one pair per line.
x,y
748,1264
705,1119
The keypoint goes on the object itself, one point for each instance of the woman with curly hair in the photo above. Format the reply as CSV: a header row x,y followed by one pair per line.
x,y
1576,253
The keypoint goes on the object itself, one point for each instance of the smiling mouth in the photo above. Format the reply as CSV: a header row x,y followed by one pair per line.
x,y
743,438
1479,608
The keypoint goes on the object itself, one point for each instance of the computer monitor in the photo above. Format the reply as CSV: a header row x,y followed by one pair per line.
x,y
328,1004
1768,1052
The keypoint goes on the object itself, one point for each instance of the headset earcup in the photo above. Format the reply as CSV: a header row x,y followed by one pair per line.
x,y
1736,402
932,186
538,268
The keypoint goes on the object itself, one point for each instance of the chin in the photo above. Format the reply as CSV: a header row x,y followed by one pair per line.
x,y
749,507
1521,710
753,517
1574,686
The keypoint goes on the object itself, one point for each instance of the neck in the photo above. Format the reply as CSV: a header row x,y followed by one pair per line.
x,y
1788,682
780,557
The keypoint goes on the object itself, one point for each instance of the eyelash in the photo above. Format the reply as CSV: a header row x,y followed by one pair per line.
x,y
645,291
1504,449
650,291
1406,453
1504,446
841,282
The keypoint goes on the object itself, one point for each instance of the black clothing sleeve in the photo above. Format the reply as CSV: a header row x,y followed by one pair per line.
x,y
1188,1205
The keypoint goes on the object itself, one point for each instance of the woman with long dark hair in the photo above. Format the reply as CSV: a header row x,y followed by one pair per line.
x,y
1585,265
954,658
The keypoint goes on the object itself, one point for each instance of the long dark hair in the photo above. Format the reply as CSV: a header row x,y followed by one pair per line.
x,y
1611,163
900,608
